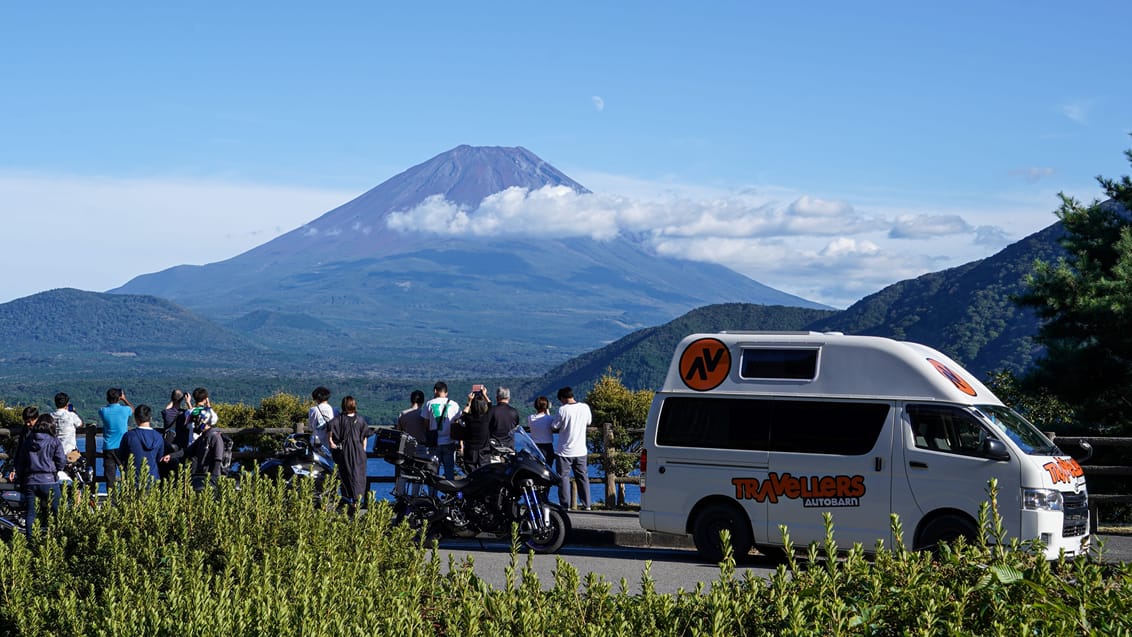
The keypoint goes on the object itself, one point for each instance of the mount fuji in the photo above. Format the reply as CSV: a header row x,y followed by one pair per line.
x,y
351,288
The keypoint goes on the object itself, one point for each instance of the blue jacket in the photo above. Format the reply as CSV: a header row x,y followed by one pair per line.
x,y
39,459
143,444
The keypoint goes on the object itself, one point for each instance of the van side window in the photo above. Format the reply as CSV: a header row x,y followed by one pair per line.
x,y
844,428
779,364
944,428
714,423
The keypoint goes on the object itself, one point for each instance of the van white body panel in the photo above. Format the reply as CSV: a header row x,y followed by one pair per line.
x,y
788,426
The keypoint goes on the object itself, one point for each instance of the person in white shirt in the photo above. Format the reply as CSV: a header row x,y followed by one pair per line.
x,y
318,416
66,423
570,423
541,424
441,411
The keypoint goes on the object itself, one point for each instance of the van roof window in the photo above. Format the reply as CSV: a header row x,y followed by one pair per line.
x,y
764,363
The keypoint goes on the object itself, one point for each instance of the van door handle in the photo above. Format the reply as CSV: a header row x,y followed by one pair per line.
x,y
918,465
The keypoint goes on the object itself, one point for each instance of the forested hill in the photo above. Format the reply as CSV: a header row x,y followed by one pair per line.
x,y
642,357
966,312
73,329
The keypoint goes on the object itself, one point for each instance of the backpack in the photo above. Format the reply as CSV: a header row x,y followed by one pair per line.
x,y
226,455
198,419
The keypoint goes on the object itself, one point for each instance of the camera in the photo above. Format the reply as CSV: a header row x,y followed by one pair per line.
x,y
478,389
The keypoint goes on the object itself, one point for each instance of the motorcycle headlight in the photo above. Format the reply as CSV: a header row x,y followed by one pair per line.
x,y
1041,500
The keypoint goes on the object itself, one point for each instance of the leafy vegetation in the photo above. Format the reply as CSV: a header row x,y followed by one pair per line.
x,y
254,561
1085,302
626,411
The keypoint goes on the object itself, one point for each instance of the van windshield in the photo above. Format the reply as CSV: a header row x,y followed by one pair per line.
x,y
1031,441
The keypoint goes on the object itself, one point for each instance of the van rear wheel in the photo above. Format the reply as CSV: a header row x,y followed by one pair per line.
x,y
719,517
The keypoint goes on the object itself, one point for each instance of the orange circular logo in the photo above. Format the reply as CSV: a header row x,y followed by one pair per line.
x,y
705,364
955,379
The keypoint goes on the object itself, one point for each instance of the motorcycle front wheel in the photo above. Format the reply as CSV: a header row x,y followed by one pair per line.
x,y
416,514
552,539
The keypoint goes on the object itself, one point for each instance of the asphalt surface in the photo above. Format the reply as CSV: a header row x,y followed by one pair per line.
x,y
622,529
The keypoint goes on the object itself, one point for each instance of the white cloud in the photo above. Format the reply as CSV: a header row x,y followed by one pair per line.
x,y
921,226
1033,174
823,249
103,231
1077,110
599,103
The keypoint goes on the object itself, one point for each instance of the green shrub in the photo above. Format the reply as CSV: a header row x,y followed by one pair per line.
x,y
259,560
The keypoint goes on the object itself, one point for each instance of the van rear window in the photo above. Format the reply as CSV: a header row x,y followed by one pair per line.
x,y
779,364
826,427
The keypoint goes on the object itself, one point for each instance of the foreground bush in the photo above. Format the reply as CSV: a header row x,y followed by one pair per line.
x,y
262,561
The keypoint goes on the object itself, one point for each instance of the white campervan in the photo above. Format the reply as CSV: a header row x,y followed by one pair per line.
x,y
753,430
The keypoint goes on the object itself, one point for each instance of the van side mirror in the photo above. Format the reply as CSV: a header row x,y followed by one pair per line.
x,y
995,450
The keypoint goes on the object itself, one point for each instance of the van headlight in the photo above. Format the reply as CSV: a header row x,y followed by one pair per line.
x,y
1041,500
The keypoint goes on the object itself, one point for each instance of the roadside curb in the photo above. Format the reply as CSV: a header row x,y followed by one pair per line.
x,y
629,539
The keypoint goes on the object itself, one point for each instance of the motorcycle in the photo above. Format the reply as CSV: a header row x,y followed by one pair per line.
x,y
300,459
488,500
13,505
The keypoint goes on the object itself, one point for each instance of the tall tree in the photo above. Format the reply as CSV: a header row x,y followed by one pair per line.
x,y
1085,302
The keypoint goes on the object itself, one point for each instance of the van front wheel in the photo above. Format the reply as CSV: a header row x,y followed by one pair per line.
x,y
946,529
718,517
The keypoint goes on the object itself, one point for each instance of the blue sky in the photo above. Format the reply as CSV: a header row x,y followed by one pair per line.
x,y
827,149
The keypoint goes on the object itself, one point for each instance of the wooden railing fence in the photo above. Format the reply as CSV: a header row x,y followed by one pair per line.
x,y
614,485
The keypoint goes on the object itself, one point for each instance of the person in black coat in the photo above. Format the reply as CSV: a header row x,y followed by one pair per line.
x,y
39,460
473,423
503,418
207,454
348,433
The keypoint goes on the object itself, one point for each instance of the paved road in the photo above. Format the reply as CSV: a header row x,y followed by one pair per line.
x,y
670,569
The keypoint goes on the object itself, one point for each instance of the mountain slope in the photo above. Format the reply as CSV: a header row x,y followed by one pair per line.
x,y
967,312
73,329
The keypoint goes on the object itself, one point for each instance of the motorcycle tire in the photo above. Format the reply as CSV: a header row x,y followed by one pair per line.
x,y
415,515
554,537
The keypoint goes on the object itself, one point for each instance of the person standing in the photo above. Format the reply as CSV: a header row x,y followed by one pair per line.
x,y
200,414
206,450
502,419
174,419
541,424
115,418
39,460
347,434
570,423
473,421
67,424
441,411
411,422
144,445
318,416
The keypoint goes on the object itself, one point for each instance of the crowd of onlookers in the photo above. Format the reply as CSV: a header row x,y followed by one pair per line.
x,y
47,442
450,430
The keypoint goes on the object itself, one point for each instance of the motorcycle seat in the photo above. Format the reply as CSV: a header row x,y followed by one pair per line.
x,y
451,486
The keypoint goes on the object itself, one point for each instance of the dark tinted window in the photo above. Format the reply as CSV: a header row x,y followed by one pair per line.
x,y
716,423
777,364
947,429
844,428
